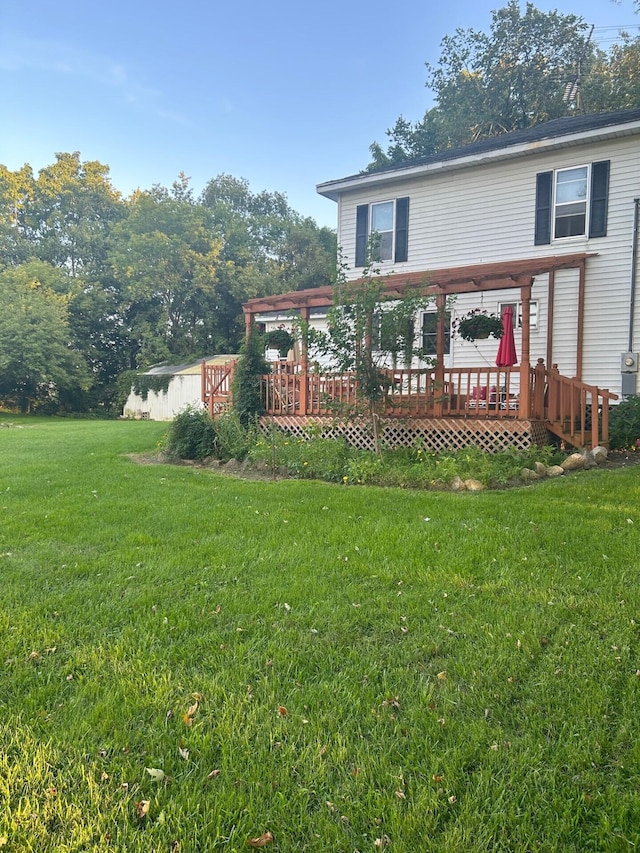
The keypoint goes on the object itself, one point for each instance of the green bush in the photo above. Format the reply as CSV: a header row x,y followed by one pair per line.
x,y
313,458
247,380
624,424
191,434
233,439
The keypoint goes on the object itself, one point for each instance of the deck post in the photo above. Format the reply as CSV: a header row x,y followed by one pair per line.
x,y
438,385
539,378
248,325
525,355
305,313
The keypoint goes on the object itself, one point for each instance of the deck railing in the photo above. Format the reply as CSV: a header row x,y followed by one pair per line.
x,y
407,392
575,411
216,386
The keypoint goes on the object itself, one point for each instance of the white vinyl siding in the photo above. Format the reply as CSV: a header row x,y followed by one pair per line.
x,y
485,213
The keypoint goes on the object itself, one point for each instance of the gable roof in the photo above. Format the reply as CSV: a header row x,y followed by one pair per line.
x,y
557,133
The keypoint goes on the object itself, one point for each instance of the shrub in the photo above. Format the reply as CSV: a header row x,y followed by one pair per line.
x,y
233,440
624,423
191,434
247,380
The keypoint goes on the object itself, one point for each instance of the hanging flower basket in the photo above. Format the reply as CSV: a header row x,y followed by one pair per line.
x,y
279,339
478,325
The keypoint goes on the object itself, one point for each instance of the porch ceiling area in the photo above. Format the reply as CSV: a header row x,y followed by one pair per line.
x,y
467,279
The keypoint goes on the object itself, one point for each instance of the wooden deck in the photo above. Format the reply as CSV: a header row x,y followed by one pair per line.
x,y
574,411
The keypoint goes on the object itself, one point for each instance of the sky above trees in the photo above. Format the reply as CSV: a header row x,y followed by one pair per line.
x,y
285,95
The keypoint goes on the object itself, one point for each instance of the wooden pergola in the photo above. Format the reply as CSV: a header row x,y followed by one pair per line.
x,y
466,402
444,283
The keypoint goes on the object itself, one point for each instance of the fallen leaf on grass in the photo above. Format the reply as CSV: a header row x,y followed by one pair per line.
x,y
184,753
442,675
213,774
156,774
401,795
282,711
142,809
261,840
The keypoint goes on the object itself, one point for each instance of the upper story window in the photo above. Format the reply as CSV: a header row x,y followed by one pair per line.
x,y
572,202
389,221
382,228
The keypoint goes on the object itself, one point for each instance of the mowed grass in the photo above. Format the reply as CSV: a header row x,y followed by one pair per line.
x,y
345,668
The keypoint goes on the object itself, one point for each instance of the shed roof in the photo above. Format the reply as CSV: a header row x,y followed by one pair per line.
x,y
192,367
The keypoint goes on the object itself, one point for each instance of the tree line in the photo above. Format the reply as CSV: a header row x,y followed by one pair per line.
x,y
94,285
531,67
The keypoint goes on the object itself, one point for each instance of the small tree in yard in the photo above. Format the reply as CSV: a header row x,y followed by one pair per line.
x,y
366,328
247,379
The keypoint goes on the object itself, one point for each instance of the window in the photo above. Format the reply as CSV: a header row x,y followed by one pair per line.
x,y
572,202
429,332
382,228
389,220
516,307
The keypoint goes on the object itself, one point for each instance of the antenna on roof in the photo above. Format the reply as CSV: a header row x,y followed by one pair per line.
x,y
573,91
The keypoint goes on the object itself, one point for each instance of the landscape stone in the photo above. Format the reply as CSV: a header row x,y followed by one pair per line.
x,y
474,485
528,475
541,468
599,454
555,471
456,484
574,462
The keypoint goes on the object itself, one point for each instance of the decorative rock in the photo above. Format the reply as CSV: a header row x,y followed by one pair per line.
x,y
555,471
599,454
528,475
541,468
589,461
457,485
473,485
574,462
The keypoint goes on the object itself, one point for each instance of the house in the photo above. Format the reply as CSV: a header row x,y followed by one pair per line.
x,y
165,390
544,220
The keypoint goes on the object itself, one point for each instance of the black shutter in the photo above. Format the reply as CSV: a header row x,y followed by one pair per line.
x,y
599,199
544,183
362,233
402,229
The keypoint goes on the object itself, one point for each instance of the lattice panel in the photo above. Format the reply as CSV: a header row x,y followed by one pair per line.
x,y
438,434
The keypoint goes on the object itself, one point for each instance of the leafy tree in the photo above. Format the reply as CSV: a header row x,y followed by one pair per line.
x,y
270,247
165,259
513,77
354,345
38,364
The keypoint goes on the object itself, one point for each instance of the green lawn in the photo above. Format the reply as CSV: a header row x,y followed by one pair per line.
x,y
346,668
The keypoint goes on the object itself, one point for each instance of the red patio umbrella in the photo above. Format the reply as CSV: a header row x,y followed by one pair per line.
x,y
507,356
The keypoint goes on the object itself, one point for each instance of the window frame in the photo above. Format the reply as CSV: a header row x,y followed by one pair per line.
x,y
586,201
534,313
391,231
431,351
399,231
597,203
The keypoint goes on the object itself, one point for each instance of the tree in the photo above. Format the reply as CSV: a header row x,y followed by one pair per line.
x,y
165,258
518,75
38,363
366,328
247,379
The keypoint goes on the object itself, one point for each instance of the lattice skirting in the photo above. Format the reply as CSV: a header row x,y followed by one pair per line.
x,y
437,434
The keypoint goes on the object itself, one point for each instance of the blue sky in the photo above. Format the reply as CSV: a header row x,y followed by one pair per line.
x,y
285,94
